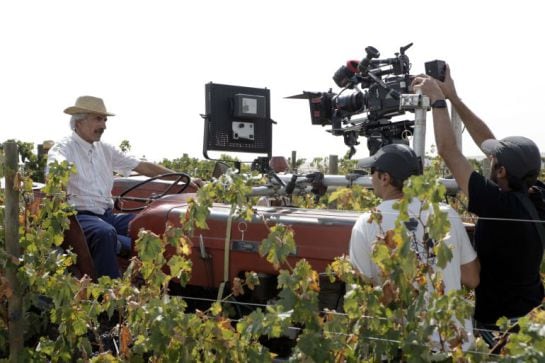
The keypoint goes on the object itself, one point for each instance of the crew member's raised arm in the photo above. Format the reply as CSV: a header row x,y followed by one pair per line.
x,y
476,127
445,139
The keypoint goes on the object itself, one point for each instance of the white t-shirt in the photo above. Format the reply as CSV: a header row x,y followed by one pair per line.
x,y
364,235
91,187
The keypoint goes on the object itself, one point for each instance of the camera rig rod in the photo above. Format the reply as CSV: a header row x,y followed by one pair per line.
x,y
304,185
420,104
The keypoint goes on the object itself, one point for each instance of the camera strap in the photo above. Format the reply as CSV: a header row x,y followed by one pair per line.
x,y
530,208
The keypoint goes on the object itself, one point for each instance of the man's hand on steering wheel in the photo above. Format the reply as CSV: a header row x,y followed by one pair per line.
x,y
196,183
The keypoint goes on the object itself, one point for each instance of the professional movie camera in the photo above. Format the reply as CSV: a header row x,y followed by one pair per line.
x,y
373,87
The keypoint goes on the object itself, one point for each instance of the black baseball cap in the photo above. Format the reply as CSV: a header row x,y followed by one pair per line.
x,y
519,155
398,160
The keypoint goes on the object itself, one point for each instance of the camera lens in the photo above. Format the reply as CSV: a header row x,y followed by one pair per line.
x,y
351,102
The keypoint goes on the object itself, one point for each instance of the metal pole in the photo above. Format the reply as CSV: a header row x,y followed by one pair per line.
x,y
333,164
419,139
11,227
294,161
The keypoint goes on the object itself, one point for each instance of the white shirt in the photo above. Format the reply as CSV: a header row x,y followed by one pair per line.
x,y
364,235
91,187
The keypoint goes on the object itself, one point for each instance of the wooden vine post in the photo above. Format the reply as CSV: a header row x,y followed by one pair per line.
x,y
13,249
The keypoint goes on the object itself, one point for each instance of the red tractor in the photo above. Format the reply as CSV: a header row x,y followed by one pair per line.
x,y
220,254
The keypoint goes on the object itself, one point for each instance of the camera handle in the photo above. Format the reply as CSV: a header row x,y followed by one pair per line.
x,y
421,105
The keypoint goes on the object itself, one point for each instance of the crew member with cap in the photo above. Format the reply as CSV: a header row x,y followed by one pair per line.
x,y
509,247
89,190
390,167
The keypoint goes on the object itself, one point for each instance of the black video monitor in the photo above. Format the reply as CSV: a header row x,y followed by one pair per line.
x,y
238,119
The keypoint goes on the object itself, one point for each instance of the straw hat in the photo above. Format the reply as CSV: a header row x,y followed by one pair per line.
x,y
88,104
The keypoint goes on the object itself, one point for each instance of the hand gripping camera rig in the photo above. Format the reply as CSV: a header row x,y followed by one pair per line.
x,y
379,90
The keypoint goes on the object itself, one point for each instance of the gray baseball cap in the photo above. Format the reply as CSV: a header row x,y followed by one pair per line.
x,y
519,155
398,160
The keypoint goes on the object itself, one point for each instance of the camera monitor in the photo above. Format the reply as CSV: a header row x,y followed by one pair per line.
x,y
237,119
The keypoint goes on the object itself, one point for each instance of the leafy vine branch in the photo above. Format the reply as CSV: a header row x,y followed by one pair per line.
x,y
135,318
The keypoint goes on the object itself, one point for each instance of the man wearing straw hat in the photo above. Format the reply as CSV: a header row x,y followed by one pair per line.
x,y
89,190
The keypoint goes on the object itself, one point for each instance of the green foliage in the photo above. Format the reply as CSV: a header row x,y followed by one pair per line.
x,y
309,201
321,164
193,166
347,166
34,165
529,343
230,188
68,318
298,163
125,146
199,168
354,198
4,288
150,322
278,245
42,270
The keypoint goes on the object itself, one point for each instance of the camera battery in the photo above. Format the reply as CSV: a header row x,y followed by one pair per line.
x,y
436,69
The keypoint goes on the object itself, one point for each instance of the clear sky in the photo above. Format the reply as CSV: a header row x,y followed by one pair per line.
x,y
150,61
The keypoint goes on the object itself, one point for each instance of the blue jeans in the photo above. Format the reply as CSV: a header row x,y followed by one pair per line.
x,y
106,234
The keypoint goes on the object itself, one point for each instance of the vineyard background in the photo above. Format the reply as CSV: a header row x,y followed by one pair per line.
x,y
136,319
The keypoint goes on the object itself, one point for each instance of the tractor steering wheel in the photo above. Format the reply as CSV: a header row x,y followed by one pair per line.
x,y
178,179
